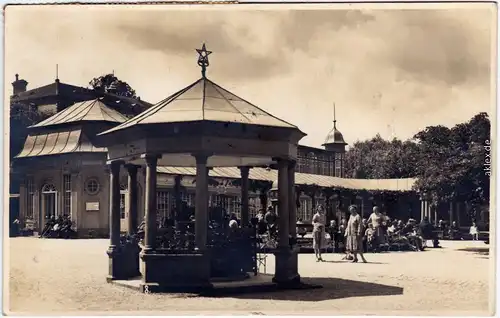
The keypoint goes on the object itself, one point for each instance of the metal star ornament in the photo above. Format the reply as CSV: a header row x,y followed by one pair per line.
x,y
203,58
203,52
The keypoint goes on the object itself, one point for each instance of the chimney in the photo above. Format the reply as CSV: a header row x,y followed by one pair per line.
x,y
19,86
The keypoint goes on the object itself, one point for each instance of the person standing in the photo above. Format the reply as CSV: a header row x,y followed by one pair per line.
x,y
333,231
354,235
377,219
318,221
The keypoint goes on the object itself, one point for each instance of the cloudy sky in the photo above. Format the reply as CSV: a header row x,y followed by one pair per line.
x,y
388,70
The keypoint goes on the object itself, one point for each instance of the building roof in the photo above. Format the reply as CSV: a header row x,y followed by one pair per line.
x,y
204,100
334,136
90,110
55,143
303,179
53,89
73,92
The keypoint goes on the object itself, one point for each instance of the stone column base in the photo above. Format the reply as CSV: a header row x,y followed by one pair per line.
x,y
124,262
286,271
176,272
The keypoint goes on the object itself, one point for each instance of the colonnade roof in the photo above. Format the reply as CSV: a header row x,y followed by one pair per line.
x,y
271,175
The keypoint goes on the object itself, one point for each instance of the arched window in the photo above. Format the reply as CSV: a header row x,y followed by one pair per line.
x,y
49,200
49,188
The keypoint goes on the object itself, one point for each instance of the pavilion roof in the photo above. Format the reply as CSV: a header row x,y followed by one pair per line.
x,y
204,100
303,179
90,111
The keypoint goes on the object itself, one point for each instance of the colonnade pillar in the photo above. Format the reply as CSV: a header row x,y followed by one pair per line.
x,y
422,209
245,217
451,212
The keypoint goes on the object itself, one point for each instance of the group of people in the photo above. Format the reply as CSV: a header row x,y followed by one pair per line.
x,y
60,227
356,235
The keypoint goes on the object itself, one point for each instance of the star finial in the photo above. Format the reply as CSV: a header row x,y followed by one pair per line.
x,y
203,59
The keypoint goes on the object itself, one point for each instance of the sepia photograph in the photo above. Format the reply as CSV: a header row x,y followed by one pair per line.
x,y
250,159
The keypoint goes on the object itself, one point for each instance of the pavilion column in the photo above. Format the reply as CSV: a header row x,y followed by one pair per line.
x,y
114,205
132,258
293,259
283,201
245,217
292,200
115,268
201,205
177,198
150,204
286,268
132,199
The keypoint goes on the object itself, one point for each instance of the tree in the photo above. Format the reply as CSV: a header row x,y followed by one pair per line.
x,y
452,162
109,83
21,117
381,159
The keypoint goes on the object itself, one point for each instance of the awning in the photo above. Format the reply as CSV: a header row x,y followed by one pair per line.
x,y
57,143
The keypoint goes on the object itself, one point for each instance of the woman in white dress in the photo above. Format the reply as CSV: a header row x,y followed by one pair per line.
x,y
319,222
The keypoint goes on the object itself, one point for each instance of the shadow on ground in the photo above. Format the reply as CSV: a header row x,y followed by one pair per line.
x,y
333,288
477,250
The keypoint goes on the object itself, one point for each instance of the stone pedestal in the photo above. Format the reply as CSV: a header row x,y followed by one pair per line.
x,y
124,262
186,272
286,273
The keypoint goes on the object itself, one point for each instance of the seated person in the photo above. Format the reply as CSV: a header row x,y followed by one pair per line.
x,y
270,216
474,232
427,232
391,229
454,231
233,222
261,227
66,229
48,226
301,230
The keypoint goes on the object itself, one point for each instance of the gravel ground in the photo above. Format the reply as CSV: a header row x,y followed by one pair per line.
x,y
68,276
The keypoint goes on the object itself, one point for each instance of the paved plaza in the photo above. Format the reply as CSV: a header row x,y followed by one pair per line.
x,y
55,276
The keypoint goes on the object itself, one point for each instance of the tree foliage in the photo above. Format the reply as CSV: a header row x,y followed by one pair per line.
x,y
22,116
452,163
109,83
381,159
449,163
